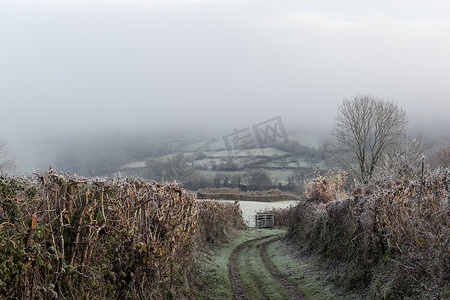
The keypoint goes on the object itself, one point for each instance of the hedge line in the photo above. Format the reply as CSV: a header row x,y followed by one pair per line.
x,y
391,237
70,237
235,194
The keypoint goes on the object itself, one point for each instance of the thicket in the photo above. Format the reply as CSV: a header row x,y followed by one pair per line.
x,y
76,238
325,188
282,216
217,221
390,237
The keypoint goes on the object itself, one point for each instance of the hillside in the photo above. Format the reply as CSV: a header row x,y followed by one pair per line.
x,y
212,164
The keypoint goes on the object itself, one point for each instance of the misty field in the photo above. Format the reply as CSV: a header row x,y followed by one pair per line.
x,y
250,208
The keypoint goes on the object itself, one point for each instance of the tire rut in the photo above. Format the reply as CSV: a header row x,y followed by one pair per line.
x,y
289,287
233,272
238,288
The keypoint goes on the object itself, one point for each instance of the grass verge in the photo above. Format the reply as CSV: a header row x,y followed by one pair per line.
x,y
304,272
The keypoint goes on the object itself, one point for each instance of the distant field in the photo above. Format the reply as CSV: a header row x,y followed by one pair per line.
x,y
279,165
251,208
212,173
278,176
133,165
306,139
247,152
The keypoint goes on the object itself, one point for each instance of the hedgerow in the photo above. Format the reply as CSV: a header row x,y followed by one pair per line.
x,y
390,237
64,236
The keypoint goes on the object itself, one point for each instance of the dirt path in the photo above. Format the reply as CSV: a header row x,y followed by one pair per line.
x,y
239,290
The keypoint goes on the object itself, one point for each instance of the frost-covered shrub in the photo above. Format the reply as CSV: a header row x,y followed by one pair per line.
x,y
325,188
392,234
217,220
71,237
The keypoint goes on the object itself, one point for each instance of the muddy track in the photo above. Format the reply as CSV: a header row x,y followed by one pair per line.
x,y
236,281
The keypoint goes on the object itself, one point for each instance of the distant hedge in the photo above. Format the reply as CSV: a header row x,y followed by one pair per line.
x,y
234,194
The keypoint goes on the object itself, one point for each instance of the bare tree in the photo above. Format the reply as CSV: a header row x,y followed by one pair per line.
x,y
6,162
367,127
406,161
257,180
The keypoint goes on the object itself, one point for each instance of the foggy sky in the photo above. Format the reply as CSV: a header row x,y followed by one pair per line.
x,y
74,66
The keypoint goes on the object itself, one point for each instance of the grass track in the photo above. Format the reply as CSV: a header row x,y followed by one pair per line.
x,y
215,282
257,280
254,249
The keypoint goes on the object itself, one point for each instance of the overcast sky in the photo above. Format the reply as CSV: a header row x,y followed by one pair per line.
x,y
86,65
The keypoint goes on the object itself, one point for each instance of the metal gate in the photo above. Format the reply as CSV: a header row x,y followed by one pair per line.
x,y
259,220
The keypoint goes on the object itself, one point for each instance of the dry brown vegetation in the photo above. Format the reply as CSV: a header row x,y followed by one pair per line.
x,y
325,188
217,220
281,216
76,238
390,236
